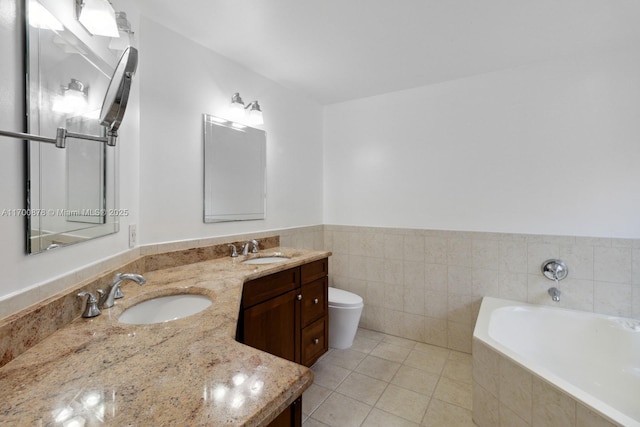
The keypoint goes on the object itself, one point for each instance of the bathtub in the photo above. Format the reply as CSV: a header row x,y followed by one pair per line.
x,y
538,365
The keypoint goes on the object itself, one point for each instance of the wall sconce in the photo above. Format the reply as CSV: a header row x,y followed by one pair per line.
x,y
98,17
252,112
73,98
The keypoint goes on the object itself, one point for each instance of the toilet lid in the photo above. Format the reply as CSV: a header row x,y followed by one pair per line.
x,y
342,298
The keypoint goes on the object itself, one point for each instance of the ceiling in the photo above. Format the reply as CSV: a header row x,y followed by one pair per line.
x,y
338,50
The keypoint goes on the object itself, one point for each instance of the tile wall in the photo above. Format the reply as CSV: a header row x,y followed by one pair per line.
x,y
427,285
506,394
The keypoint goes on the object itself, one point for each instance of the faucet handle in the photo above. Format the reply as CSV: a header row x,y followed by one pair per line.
x,y
91,308
234,250
118,293
255,243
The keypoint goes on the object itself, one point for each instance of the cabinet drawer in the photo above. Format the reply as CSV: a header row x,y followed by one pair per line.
x,y
314,341
314,300
261,289
315,270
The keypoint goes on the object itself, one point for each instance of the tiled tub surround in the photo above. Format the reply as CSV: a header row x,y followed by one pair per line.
x,y
189,371
427,285
535,365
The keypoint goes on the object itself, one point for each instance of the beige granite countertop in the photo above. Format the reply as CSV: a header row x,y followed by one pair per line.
x,y
187,372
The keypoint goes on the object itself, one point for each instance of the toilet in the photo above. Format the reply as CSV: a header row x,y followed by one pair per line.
x,y
345,309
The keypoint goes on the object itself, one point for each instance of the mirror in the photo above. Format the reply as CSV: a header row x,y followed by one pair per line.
x,y
234,171
71,193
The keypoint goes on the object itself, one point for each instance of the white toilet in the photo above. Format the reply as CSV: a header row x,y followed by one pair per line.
x,y
345,309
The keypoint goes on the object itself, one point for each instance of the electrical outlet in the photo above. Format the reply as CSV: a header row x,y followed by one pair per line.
x,y
133,235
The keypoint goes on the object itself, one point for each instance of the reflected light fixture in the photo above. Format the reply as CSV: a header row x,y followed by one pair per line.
x,y
239,111
73,98
98,17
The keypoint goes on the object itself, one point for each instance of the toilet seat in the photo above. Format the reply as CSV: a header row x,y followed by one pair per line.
x,y
345,299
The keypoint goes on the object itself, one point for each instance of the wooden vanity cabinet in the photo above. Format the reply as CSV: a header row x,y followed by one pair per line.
x,y
286,314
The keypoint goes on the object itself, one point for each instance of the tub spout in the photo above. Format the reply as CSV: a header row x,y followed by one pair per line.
x,y
554,293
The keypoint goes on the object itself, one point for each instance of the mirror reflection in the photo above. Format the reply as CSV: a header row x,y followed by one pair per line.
x,y
234,171
71,193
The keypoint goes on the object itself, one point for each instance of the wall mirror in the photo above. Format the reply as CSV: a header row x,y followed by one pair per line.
x,y
234,171
71,193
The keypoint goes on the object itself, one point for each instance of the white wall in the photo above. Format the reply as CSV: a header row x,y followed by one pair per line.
x,y
180,81
550,148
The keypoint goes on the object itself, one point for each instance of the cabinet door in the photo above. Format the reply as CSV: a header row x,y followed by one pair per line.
x,y
274,326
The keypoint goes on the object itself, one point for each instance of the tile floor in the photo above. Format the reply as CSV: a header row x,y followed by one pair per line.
x,y
383,380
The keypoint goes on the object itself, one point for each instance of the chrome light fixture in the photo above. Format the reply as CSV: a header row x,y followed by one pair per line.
x,y
98,17
252,111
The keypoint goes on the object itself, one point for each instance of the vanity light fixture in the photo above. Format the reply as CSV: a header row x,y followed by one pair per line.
x,y
98,17
252,112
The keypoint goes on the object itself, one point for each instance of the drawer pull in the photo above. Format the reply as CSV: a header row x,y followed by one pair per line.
x,y
316,341
315,300
299,297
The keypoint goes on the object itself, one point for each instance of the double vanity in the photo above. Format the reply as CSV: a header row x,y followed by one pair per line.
x,y
129,366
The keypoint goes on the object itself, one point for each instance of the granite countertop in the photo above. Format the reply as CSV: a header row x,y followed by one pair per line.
x,y
189,371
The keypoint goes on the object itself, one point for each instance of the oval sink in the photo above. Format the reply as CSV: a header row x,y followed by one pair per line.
x,y
164,309
265,260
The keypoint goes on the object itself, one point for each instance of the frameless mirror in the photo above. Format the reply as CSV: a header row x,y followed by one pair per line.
x,y
234,171
71,193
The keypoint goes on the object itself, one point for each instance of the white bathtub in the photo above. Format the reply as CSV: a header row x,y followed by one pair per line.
x,y
593,358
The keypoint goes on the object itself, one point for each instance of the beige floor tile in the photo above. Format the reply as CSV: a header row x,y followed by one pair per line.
x,y
403,403
399,341
313,397
378,418
363,388
430,361
310,422
329,375
378,368
415,380
460,356
458,370
433,349
347,359
391,352
441,414
455,392
364,345
341,411
369,334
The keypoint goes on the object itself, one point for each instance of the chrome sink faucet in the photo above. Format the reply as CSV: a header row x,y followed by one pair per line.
x,y
254,250
114,292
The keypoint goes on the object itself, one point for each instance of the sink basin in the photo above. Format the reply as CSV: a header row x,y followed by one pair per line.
x,y
164,309
265,260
